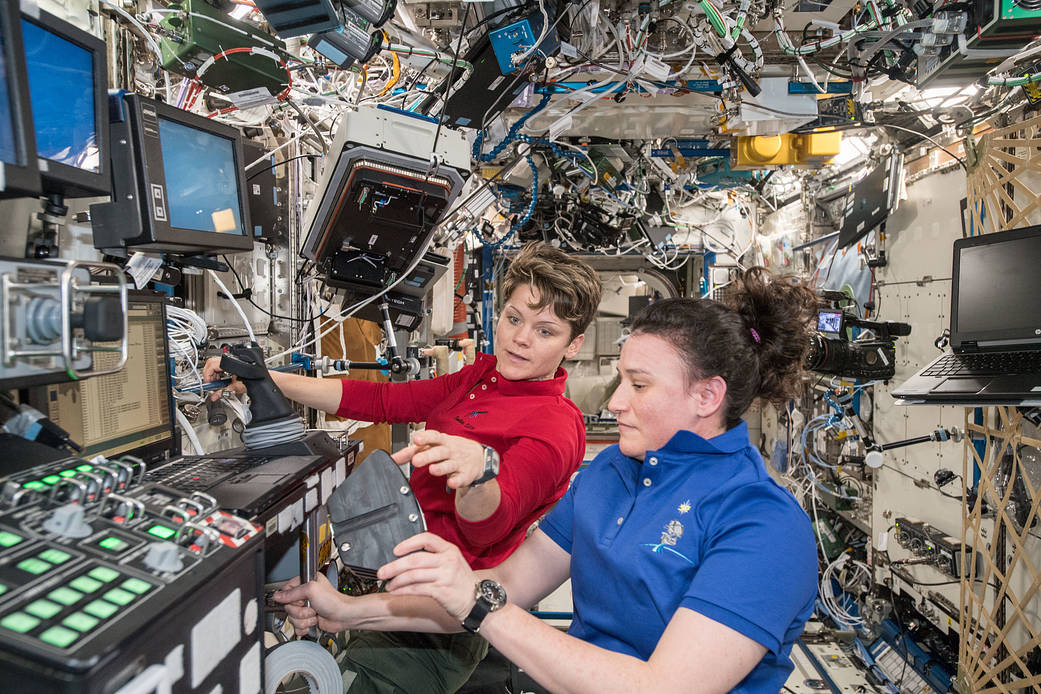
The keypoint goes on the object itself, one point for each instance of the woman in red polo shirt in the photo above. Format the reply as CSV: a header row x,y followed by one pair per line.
x,y
500,444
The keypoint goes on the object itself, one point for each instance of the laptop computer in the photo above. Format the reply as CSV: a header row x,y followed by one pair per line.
x,y
995,356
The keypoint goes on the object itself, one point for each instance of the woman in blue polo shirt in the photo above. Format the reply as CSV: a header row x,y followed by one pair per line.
x,y
691,569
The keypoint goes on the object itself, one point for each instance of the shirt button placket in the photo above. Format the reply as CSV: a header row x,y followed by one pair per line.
x,y
651,462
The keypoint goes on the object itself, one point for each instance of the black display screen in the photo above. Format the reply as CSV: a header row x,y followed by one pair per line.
x,y
999,287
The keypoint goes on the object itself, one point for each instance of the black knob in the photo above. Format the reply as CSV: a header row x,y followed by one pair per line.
x,y
101,320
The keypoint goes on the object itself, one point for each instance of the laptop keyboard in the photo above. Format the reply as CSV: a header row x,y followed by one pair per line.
x,y
197,474
986,364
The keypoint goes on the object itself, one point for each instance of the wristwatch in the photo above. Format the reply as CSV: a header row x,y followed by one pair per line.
x,y
491,466
490,597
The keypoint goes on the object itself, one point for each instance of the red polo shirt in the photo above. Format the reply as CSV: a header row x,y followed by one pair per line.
x,y
539,434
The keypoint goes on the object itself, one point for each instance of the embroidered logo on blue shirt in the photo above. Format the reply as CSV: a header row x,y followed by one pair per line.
x,y
673,532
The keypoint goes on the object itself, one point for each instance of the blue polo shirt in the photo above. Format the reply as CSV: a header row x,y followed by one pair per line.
x,y
698,524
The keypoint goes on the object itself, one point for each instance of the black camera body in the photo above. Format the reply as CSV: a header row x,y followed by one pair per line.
x,y
865,359
833,353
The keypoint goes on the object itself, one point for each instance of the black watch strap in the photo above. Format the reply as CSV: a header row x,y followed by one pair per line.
x,y
490,596
480,610
491,466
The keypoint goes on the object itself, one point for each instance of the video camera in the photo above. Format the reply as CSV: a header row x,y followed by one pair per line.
x,y
833,352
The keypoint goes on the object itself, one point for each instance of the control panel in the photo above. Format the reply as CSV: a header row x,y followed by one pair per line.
x,y
936,547
109,583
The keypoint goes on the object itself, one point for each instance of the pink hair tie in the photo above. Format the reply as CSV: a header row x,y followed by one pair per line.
x,y
755,335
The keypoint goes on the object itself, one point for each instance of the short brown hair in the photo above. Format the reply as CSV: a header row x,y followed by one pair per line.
x,y
563,281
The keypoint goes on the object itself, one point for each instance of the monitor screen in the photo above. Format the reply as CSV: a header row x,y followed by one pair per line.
x,y
61,85
829,321
68,78
19,171
128,411
998,286
202,188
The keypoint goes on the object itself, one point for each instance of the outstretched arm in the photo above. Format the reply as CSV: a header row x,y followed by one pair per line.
x,y
529,574
320,393
695,654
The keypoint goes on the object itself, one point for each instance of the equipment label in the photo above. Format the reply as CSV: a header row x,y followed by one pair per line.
x,y
248,98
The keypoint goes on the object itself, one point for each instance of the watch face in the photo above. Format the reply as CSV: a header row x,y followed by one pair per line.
x,y
493,593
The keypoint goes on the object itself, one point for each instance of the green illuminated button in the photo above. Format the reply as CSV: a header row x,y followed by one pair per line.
x,y
100,608
136,585
103,574
67,473
84,468
44,609
35,485
59,636
33,566
85,584
162,531
80,621
66,596
113,544
55,556
50,479
3,589
8,539
19,622
120,597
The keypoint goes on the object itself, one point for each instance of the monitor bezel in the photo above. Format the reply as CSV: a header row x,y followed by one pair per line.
x,y
63,179
22,179
145,152
1027,339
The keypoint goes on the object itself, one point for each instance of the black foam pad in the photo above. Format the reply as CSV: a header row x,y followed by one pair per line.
x,y
371,512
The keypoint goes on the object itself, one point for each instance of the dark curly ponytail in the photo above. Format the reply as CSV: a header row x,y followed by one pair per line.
x,y
757,343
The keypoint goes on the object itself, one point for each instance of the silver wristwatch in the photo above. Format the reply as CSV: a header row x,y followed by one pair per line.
x,y
491,466
490,596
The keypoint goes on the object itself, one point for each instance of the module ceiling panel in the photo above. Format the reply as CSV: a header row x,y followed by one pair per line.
x,y
639,118
799,13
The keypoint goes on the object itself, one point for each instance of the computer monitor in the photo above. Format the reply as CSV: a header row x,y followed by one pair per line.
x,y
178,183
68,82
129,411
19,173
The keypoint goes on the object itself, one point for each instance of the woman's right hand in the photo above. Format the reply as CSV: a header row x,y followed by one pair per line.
x,y
211,371
327,605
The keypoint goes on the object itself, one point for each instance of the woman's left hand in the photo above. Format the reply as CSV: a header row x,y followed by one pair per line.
x,y
458,459
433,567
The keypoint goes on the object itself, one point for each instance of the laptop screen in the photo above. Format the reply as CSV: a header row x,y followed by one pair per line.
x,y
996,298
128,411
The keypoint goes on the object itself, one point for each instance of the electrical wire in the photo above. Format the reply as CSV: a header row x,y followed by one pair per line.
x,y
141,30
242,314
280,163
189,431
923,135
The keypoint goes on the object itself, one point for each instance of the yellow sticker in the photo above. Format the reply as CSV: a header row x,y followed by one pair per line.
x,y
224,221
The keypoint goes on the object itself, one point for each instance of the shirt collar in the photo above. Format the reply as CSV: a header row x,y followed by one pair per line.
x,y
731,441
551,386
